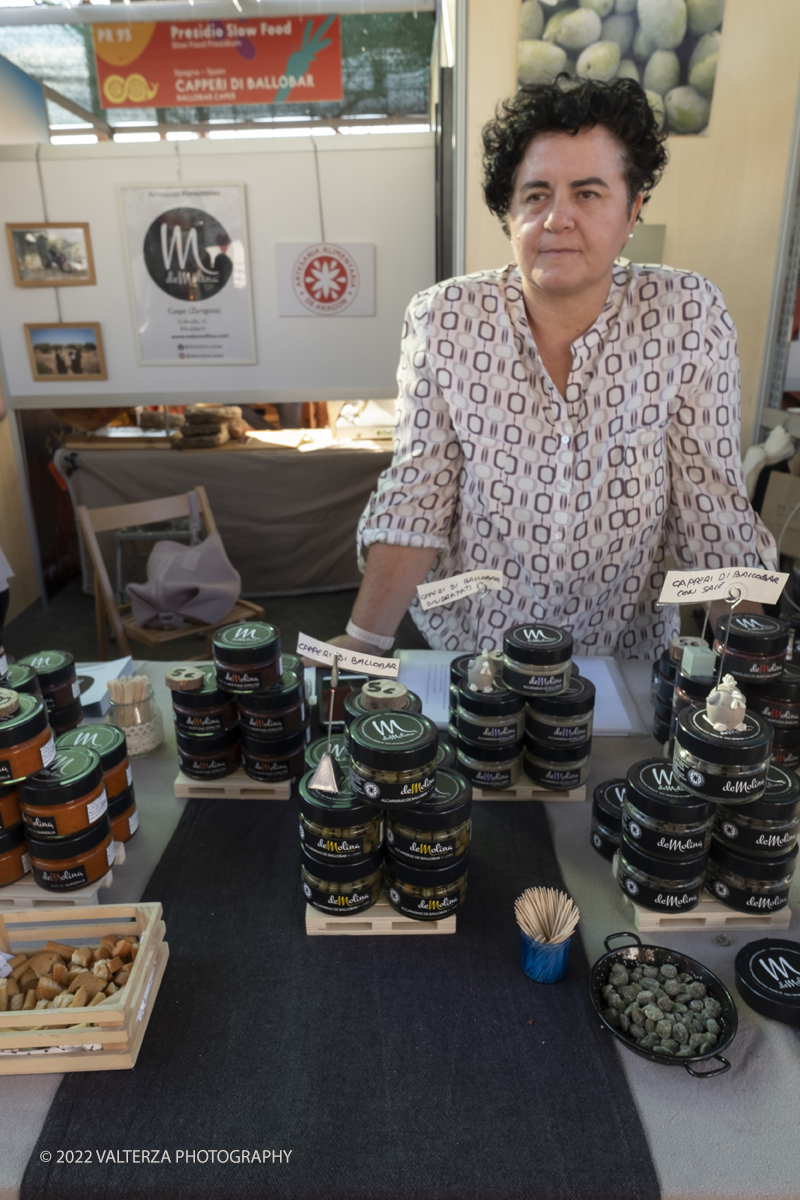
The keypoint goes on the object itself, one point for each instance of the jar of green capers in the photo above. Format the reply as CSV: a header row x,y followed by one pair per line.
x,y
339,889
437,832
337,828
425,893
393,759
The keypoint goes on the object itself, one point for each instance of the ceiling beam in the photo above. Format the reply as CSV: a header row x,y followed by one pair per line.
x,y
77,110
203,10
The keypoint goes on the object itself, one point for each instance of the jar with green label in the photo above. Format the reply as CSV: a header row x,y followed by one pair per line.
x,y
247,657
437,832
342,889
338,828
393,759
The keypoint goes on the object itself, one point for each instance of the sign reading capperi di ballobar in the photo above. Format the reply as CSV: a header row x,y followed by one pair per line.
x,y
259,60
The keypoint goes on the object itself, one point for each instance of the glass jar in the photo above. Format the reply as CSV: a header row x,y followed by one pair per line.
x,y
62,720
58,680
445,754
757,645
691,690
206,709
435,833
10,814
247,657
341,889
728,766
123,816
209,756
606,823
750,884
767,826
109,743
787,756
537,659
142,724
661,884
493,768
26,740
357,704
459,668
339,752
604,839
428,893
63,864
67,797
274,760
560,767
565,720
778,700
22,678
660,816
14,860
338,829
393,759
495,717
275,713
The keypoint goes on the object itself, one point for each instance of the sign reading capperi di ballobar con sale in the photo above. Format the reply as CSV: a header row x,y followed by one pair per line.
x,y
259,60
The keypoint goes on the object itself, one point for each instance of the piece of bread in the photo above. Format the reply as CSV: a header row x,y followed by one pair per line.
x,y
48,989
65,951
87,981
80,999
82,957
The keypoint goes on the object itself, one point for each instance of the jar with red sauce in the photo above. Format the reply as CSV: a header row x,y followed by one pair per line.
x,y
123,816
109,743
274,760
778,700
276,712
14,860
757,645
205,710
57,678
67,797
209,756
10,814
247,657
63,864
26,740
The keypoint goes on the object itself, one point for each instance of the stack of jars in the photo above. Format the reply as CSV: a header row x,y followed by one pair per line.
x,y
756,657
665,678
606,826
26,746
58,682
110,745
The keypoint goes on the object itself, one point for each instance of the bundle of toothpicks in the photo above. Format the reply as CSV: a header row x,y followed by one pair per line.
x,y
547,916
129,689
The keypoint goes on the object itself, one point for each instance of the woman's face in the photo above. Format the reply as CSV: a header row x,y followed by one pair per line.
x,y
569,215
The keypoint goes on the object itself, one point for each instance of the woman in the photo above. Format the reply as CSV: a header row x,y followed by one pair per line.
x,y
568,420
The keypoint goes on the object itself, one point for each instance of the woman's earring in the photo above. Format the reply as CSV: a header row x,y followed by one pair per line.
x,y
630,235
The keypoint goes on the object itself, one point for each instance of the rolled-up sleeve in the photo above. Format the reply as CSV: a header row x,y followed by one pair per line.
x,y
416,499
710,522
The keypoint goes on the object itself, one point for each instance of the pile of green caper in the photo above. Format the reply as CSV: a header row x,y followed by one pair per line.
x,y
670,47
661,1009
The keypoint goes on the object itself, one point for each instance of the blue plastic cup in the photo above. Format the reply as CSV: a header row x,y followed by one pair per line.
x,y
544,963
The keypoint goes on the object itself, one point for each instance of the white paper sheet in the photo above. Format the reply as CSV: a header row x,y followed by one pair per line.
x,y
427,672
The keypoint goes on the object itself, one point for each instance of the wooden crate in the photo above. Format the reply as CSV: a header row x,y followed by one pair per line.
x,y
237,786
379,921
26,893
115,1026
709,915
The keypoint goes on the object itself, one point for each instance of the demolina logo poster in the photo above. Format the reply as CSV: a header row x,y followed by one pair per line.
x,y
245,61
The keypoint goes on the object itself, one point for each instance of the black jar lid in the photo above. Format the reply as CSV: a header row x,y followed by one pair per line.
x,y
52,666
577,700
73,773
730,747
498,701
445,753
271,748
251,641
651,787
768,978
682,870
427,877
786,687
11,838
777,866
106,740
753,633
348,872
120,804
325,809
207,743
22,678
354,706
538,645
607,800
57,849
205,697
24,724
697,686
459,668
449,806
489,753
559,754
393,741
289,691
339,750
667,666
290,662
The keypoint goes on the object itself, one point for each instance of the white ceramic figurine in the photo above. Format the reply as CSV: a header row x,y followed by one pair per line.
x,y
481,673
725,706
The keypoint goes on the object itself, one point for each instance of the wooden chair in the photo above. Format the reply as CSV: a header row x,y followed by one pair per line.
x,y
119,617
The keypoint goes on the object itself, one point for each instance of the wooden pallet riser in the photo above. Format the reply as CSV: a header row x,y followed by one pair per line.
x,y
379,921
529,791
709,915
238,786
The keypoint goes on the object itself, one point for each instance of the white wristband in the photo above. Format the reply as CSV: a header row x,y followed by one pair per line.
x,y
372,639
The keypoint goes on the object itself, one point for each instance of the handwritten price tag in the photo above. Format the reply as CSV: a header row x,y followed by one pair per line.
x,y
354,660
445,591
693,587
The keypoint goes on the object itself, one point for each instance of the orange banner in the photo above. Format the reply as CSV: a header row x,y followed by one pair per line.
x,y
289,60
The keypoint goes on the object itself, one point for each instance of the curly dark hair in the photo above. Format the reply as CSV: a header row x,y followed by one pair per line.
x,y
567,106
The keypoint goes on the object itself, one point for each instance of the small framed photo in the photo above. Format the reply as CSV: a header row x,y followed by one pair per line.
x,y
51,254
68,353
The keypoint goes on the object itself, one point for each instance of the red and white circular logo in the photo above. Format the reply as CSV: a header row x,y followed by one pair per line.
x,y
325,279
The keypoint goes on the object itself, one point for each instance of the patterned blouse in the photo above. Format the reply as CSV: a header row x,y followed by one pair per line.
x,y
577,500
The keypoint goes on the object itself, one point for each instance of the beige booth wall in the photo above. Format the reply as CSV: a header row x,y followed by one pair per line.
x,y
14,538
722,195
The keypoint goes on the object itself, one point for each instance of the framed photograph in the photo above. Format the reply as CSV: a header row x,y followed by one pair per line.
x,y
68,353
51,254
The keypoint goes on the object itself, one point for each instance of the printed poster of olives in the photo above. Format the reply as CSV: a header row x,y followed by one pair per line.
x,y
670,47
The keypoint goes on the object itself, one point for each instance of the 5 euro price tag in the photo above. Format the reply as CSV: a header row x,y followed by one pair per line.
x,y
445,591
728,583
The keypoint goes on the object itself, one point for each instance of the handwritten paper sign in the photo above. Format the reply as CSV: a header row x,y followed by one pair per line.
x,y
698,587
354,660
445,591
